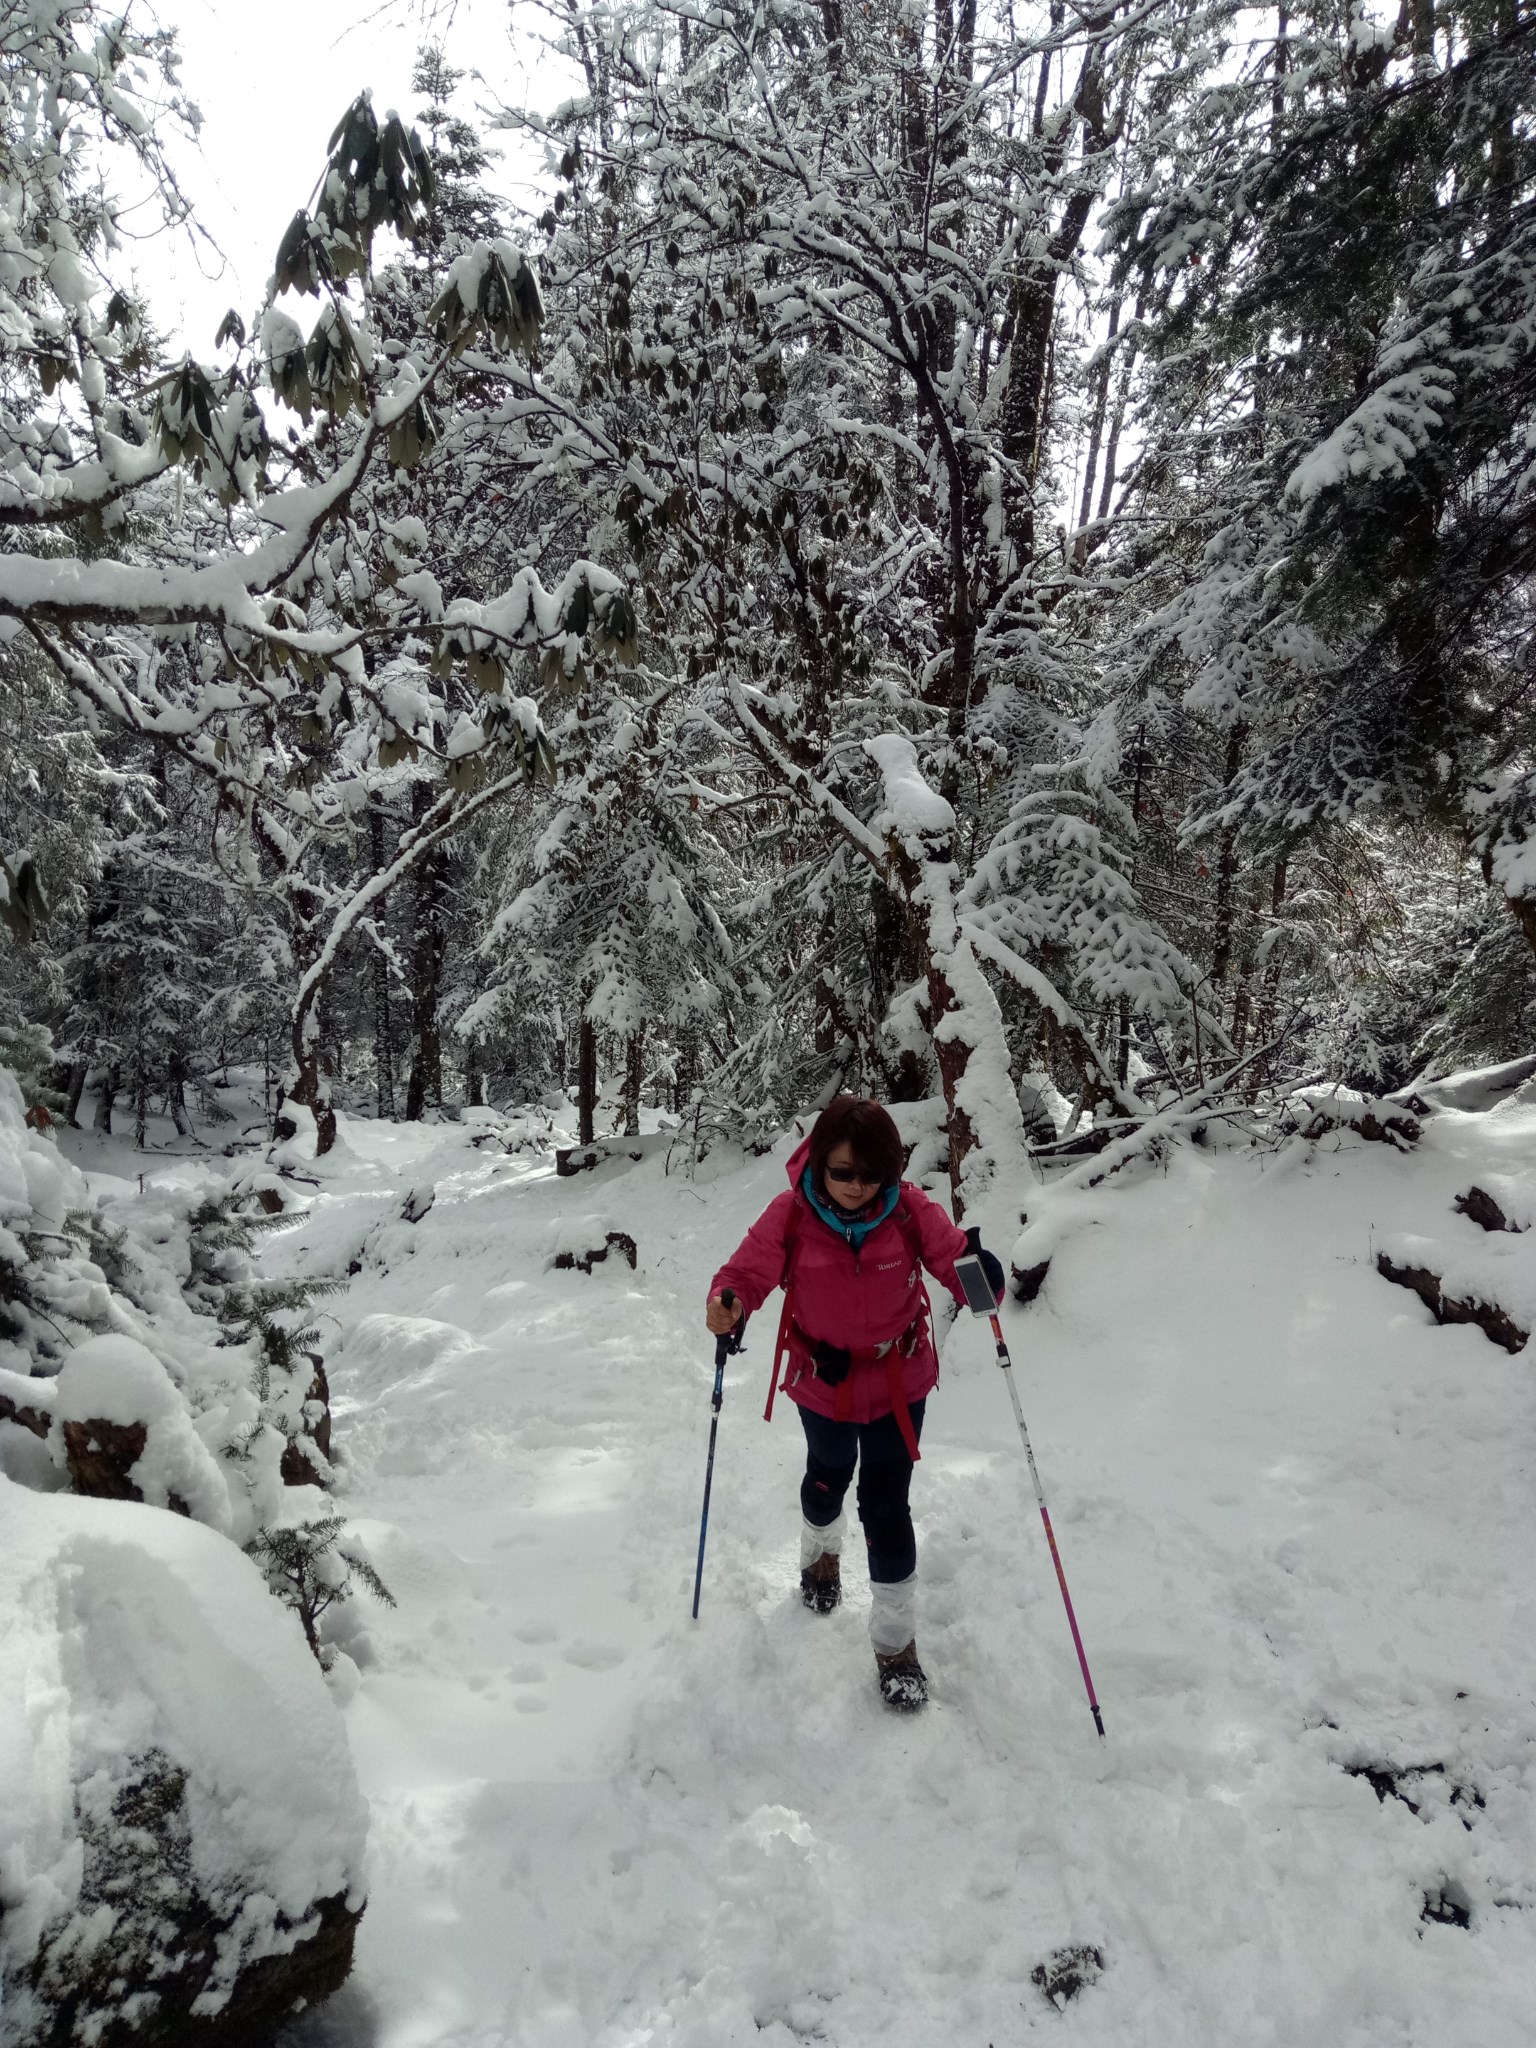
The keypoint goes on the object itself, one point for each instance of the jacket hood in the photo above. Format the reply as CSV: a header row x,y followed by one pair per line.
x,y
798,1161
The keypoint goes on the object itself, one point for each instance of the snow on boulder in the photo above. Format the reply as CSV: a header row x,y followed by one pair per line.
x,y
126,1432
181,1833
582,1242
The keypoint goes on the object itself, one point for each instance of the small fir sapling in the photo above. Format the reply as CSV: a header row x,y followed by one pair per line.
x,y
311,1570
266,1316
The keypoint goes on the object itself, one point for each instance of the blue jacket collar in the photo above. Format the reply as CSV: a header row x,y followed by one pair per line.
x,y
854,1228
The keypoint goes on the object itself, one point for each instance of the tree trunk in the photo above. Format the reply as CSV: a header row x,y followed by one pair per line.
x,y
111,1081
1273,965
140,1104
426,1077
474,1085
383,1032
1523,910
586,1082
634,1075
683,1071
1226,870
311,1086
77,1077
1095,440
176,1095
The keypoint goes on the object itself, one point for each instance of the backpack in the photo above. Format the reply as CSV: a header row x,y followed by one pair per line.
x,y
912,1236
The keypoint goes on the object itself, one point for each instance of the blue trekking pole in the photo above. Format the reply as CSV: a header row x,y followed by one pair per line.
x,y
724,1347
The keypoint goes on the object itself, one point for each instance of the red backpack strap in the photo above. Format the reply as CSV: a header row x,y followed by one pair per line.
x,y
781,1345
911,1230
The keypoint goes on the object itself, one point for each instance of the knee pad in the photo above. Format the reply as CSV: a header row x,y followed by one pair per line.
x,y
822,1490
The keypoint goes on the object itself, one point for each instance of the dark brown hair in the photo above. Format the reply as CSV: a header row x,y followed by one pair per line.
x,y
869,1132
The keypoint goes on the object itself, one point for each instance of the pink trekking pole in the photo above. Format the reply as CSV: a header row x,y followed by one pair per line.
x,y
1061,1578
981,1301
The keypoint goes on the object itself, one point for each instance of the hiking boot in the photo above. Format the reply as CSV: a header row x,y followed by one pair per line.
x,y
903,1682
821,1586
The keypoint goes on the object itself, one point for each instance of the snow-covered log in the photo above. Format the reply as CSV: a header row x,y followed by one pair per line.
x,y
181,1832
1320,1110
1491,1283
1476,1088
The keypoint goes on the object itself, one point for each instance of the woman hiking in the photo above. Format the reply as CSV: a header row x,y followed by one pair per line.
x,y
848,1241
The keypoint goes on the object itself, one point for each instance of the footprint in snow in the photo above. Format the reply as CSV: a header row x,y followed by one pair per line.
x,y
525,1674
536,1632
594,1656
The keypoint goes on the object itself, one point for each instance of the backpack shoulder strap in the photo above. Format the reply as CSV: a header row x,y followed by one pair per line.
x,y
791,1239
911,1230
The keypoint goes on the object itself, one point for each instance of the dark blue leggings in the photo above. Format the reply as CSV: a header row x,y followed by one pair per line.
x,y
885,1474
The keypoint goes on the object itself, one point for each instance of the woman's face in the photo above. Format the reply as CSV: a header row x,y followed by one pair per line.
x,y
847,1194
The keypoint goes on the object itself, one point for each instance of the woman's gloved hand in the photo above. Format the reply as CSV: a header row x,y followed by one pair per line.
x,y
719,1319
991,1264
832,1362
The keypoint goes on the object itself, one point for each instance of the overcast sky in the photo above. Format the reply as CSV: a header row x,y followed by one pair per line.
x,y
272,78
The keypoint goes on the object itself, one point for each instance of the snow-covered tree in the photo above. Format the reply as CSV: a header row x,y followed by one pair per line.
x,y
1331,221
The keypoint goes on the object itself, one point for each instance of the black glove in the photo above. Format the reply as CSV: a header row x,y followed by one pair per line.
x,y
832,1362
991,1264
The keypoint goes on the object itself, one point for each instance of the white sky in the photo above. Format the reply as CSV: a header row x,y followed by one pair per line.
x,y
272,78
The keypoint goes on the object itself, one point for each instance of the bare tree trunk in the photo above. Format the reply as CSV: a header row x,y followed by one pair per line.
x,y
1523,910
683,1072
425,1084
474,1085
1272,968
1095,439
1117,419
140,1103
383,1026
311,1083
111,1081
586,1082
634,1075
1226,869
176,1095
77,1077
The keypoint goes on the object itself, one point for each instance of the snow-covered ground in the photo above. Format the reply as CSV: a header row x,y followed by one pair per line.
x,y
1296,1517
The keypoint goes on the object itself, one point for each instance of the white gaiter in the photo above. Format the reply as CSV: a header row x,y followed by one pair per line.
x,y
893,1618
814,1541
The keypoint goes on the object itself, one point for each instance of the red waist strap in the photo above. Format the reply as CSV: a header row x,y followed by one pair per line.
x,y
793,1340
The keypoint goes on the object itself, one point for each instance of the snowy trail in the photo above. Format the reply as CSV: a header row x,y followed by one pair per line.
x,y
1296,1521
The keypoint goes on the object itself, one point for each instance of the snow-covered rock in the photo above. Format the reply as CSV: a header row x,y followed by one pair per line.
x,y
181,1832
117,1381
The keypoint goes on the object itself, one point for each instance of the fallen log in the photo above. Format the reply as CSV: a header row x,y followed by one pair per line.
x,y
1498,1327
1480,1207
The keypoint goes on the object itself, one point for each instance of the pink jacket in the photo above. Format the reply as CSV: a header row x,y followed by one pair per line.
x,y
853,1300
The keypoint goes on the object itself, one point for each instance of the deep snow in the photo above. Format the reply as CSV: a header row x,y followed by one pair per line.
x,y
139,1646
1296,1520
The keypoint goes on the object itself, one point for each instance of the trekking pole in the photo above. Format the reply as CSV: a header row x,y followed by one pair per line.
x,y
1061,1578
724,1347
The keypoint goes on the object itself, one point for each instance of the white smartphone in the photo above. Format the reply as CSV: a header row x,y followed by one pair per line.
x,y
979,1298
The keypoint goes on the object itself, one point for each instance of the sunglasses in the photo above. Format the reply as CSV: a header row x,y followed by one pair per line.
x,y
846,1176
